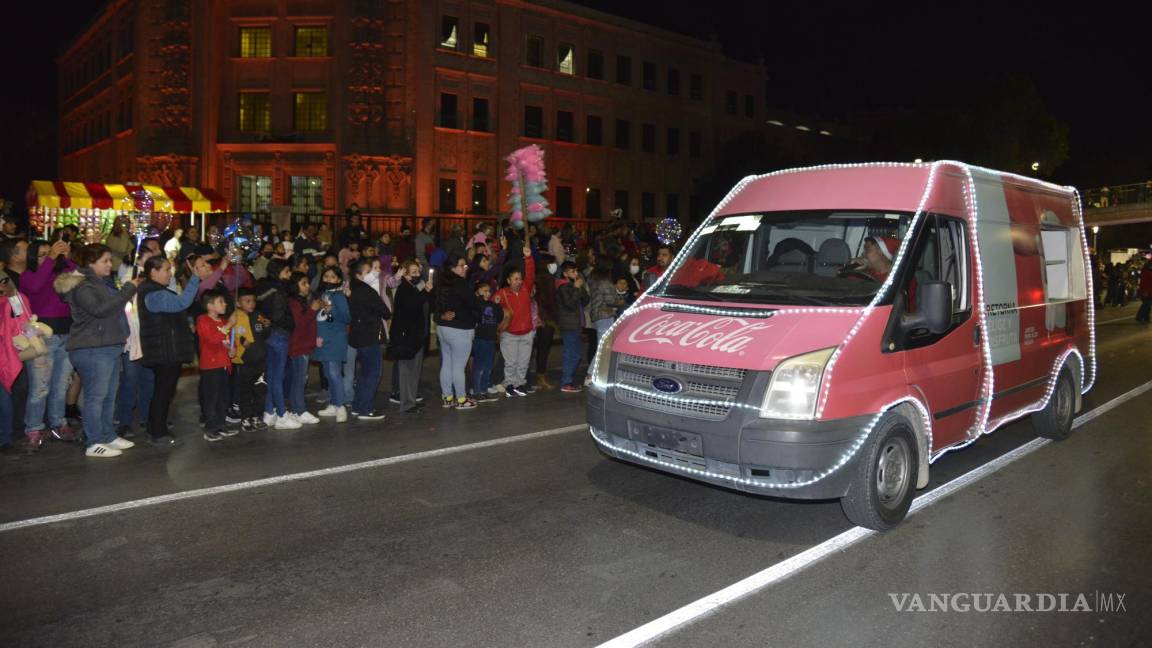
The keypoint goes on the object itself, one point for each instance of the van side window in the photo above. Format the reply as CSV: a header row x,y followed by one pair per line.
x,y
941,254
1056,250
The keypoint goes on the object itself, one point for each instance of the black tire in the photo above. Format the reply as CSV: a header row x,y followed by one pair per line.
x,y
1055,420
885,481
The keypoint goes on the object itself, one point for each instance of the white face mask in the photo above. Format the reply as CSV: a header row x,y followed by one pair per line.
x,y
552,268
371,277
635,269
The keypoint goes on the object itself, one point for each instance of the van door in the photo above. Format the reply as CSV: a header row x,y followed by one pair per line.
x,y
947,369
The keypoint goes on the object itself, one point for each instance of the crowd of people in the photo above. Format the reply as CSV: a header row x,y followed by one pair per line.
x,y
100,329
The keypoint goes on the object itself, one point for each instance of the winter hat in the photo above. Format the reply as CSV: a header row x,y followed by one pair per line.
x,y
887,245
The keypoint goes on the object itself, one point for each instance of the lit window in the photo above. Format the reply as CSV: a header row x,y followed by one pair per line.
x,y
255,193
307,194
447,196
448,31
566,59
311,41
255,112
311,111
480,36
255,42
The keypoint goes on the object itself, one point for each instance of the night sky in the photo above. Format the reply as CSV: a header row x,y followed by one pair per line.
x,y
845,63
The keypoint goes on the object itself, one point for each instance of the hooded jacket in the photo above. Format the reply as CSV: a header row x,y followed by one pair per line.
x,y
98,318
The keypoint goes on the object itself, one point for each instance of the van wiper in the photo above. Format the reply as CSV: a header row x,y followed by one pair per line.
x,y
689,293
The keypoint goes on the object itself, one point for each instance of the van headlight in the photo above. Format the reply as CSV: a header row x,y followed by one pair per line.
x,y
602,362
795,386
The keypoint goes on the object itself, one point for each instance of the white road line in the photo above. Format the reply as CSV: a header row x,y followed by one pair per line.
x,y
270,481
782,570
1128,318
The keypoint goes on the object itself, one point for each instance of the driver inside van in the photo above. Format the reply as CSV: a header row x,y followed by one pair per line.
x,y
876,262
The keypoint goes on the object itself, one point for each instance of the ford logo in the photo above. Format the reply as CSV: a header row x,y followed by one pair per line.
x,y
667,385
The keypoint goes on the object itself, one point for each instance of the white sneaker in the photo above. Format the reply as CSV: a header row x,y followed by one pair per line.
x,y
328,411
306,418
270,419
341,415
496,389
120,444
287,422
102,450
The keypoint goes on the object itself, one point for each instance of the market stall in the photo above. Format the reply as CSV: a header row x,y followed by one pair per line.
x,y
144,208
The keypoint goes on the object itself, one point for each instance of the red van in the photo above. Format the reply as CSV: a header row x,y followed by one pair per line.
x,y
828,333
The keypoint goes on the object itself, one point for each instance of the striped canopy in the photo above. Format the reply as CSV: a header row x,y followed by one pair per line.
x,y
49,194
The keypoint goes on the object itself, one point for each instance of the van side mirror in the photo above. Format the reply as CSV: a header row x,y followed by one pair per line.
x,y
935,308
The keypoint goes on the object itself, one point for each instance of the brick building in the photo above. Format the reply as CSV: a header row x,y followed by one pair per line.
x,y
405,107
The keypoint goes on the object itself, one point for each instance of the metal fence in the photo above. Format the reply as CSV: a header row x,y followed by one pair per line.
x,y
1115,196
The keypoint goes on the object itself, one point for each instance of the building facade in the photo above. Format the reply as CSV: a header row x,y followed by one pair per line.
x,y
405,107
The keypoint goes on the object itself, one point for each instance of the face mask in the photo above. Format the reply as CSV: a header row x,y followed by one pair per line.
x,y
621,292
371,277
552,268
328,285
635,269
267,255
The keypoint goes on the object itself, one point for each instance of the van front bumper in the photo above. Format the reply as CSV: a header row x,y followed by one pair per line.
x,y
776,457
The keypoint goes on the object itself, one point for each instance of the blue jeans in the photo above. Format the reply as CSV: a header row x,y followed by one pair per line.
x,y
274,372
333,372
48,380
137,384
349,376
572,347
455,347
298,368
368,379
99,369
483,357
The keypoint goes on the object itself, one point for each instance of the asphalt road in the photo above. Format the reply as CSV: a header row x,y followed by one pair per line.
x,y
541,541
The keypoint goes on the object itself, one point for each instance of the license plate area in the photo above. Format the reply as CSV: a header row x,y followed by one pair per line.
x,y
667,439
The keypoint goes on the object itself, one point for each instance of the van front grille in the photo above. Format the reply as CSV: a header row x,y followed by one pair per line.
x,y
707,392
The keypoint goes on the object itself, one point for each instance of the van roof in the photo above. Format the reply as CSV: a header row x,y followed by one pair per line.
x,y
865,187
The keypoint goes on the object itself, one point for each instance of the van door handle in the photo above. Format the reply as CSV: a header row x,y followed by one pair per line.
x,y
976,335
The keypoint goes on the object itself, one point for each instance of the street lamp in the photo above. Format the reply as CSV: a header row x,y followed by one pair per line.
x,y
1035,166
1096,238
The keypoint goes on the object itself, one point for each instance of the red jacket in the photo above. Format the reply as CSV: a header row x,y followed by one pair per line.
x,y
302,342
520,303
214,351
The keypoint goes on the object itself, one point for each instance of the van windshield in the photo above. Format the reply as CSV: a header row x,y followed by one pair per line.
x,y
820,258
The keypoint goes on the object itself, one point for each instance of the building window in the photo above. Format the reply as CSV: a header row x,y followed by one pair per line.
x,y
479,197
674,82
649,80
673,144
534,52
307,195
623,70
481,33
311,112
694,208
564,202
749,106
731,104
447,196
648,138
591,203
694,144
255,112
695,86
648,205
255,193
596,64
311,41
566,59
673,208
594,133
480,119
449,32
255,42
447,110
621,201
623,134
533,121
565,126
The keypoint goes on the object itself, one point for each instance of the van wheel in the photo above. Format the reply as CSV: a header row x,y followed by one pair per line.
x,y
1055,420
885,481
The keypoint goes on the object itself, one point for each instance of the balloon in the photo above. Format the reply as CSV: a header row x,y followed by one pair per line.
x,y
668,231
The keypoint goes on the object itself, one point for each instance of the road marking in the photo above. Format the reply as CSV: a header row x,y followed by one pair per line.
x,y
270,481
1128,318
780,571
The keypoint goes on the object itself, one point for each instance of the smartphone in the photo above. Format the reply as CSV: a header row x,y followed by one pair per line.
x,y
431,273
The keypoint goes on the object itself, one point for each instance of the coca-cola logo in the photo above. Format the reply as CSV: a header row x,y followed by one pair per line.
x,y
725,334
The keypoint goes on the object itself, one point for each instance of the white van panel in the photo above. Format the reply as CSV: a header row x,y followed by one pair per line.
x,y
998,260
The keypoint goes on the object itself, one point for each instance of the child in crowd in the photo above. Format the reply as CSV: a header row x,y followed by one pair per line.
x,y
214,333
252,329
484,344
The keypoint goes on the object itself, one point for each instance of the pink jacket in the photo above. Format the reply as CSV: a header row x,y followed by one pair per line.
x,y
10,327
